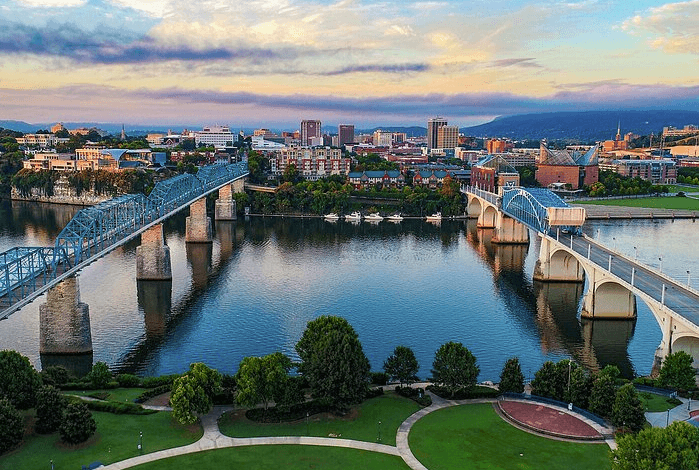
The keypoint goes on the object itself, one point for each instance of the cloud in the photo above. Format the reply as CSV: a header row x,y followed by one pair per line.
x,y
380,68
519,62
672,27
51,3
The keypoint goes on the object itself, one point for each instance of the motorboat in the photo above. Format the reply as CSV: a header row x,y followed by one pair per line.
x,y
354,216
331,216
436,217
395,217
373,217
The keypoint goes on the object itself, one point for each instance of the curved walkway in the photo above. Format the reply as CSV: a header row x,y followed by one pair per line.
x,y
213,439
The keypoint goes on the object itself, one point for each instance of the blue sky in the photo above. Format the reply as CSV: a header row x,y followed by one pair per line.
x,y
275,62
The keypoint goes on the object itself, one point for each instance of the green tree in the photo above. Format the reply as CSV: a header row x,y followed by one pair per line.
x,y
259,378
78,424
454,367
602,395
548,382
628,411
511,377
580,386
50,406
11,426
402,365
193,392
19,381
100,375
673,448
333,361
677,372
291,174
55,375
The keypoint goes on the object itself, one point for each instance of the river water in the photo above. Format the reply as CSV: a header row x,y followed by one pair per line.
x,y
252,291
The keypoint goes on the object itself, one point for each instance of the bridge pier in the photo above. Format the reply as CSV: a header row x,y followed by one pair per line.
x,y
607,299
556,265
64,321
225,204
508,230
474,207
153,256
488,216
155,298
198,225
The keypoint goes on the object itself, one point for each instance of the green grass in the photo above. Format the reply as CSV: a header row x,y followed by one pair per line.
x,y
656,403
122,395
475,437
669,202
116,439
281,457
361,424
686,189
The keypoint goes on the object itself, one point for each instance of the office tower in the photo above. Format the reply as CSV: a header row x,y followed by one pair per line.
x,y
433,126
310,129
447,137
345,134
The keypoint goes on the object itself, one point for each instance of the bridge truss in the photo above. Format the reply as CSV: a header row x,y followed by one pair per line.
x,y
25,272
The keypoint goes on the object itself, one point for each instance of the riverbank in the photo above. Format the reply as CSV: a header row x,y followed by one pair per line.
x,y
602,212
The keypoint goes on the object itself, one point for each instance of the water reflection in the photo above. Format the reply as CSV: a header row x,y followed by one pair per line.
x,y
79,364
155,301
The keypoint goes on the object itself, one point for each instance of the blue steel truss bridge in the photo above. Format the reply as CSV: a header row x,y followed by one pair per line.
x,y
27,272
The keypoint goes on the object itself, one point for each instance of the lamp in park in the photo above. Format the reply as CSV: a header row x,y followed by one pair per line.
x,y
379,438
51,464
140,441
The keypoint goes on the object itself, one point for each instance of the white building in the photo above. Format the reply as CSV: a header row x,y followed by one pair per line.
x,y
218,136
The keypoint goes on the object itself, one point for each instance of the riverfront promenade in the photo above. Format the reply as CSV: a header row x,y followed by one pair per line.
x,y
214,439
601,212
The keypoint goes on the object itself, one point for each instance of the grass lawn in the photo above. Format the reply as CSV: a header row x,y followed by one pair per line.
x,y
361,424
281,457
686,189
655,403
116,439
669,202
475,437
122,395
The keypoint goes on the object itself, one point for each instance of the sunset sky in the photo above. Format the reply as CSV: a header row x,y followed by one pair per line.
x,y
275,62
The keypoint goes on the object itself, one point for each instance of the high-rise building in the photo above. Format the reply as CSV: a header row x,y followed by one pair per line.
x,y
433,126
310,128
345,133
383,138
447,137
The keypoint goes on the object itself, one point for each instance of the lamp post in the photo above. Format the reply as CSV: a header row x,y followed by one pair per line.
x,y
688,278
51,464
635,253
614,240
140,441
660,258
307,423
379,438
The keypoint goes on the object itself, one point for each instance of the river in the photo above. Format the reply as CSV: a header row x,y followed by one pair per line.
x,y
252,291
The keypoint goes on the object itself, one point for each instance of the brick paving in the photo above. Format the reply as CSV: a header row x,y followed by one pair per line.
x,y
549,420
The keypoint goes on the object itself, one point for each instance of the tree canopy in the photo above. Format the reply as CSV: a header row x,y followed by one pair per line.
x,y
511,377
673,448
454,367
259,379
78,424
19,382
628,411
333,361
11,426
402,365
193,392
677,372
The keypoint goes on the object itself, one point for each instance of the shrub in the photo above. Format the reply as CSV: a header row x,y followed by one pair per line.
x,y
55,375
114,407
78,424
378,378
100,375
11,426
153,392
477,391
128,380
646,381
416,394
152,382
50,406
374,392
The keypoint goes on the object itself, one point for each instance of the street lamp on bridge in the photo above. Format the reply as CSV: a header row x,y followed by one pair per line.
x,y
688,278
635,253
661,263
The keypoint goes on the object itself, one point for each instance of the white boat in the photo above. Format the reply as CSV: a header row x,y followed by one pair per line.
x,y
331,216
436,217
395,217
354,216
373,217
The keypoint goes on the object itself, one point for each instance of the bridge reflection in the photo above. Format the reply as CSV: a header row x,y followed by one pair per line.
x,y
551,311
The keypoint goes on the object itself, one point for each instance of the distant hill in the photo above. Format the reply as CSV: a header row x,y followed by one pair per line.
x,y
584,126
110,127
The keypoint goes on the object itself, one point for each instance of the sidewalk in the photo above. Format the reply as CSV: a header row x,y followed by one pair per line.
x,y
679,413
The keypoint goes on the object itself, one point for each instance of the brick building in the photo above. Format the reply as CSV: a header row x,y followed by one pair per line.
x,y
571,168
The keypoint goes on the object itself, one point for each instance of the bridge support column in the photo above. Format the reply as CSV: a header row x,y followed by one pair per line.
x,y
488,216
238,186
606,299
153,256
198,225
473,209
225,204
64,321
557,265
508,230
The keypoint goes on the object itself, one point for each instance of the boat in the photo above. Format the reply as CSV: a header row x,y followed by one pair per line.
x,y
331,216
395,217
354,216
373,217
436,217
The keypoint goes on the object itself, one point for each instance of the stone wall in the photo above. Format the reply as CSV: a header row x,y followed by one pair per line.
x,y
63,193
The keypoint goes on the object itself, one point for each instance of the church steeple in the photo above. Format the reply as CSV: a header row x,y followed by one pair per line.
x,y
123,133
618,131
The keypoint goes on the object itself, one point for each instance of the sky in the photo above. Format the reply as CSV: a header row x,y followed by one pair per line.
x,y
272,63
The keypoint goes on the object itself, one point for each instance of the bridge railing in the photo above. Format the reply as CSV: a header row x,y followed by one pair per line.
x,y
483,194
24,270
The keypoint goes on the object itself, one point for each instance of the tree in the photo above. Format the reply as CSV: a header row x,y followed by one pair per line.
x,y
333,361
628,411
601,395
511,377
55,375
50,406
580,385
291,174
402,365
673,448
260,378
677,372
100,375
18,379
11,426
78,424
193,392
454,367
548,381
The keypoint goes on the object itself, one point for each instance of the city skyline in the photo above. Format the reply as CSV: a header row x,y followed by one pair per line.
x,y
277,62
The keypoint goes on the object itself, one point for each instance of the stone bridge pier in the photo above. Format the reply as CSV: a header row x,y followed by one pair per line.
x,y
198,225
225,204
153,256
64,321
507,230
